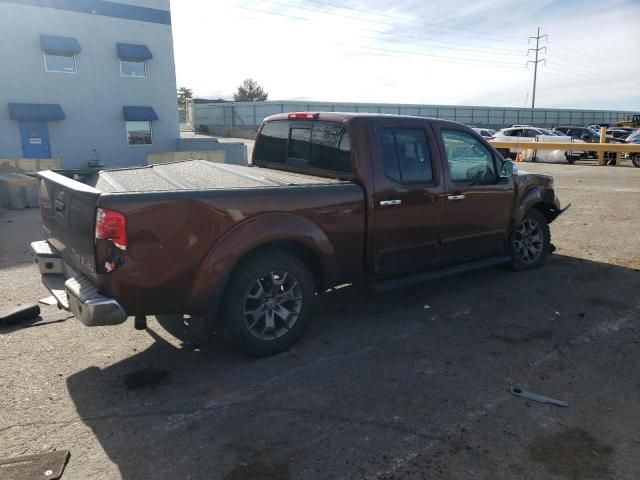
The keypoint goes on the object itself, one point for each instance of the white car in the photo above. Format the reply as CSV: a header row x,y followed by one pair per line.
x,y
484,132
526,133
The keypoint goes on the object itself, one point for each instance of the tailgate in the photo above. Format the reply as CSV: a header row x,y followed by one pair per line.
x,y
68,216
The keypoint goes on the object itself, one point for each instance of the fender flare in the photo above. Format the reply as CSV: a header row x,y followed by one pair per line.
x,y
247,236
535,195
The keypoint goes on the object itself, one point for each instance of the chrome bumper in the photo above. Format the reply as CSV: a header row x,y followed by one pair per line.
x,y
73,291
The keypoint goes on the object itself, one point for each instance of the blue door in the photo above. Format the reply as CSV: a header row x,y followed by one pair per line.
x,y
35,139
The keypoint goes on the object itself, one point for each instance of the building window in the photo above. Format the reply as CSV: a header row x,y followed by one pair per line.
x,y
60,62
133,68
133,59
138,132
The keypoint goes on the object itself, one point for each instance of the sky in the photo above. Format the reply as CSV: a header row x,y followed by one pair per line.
x,y
446,52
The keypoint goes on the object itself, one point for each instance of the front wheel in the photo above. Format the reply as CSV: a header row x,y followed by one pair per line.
x,y
530,241
635,159
269,302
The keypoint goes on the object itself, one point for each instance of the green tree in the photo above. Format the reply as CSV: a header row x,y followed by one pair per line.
x,y
184,94
250,91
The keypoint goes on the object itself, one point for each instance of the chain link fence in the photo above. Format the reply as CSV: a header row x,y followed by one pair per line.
x,y
251,114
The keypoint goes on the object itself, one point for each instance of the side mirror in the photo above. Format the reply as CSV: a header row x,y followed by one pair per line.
x,y
508,169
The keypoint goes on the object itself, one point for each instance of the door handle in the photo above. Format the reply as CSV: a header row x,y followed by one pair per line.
x,y
455,198
389,203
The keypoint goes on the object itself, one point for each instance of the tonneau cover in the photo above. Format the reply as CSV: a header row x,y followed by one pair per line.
x,y
198,175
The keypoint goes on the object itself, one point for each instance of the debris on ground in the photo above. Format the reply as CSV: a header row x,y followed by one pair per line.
x,y
44,466
50,300
19,314
519,392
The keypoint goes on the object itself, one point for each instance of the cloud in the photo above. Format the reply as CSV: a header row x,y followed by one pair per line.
x,y
437,52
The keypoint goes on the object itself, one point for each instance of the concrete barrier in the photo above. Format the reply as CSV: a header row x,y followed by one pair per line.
x,y
236,152
18,191
22,165
216,156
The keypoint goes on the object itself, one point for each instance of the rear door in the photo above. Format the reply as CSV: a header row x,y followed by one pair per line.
x,y
68,216
478,202
408,197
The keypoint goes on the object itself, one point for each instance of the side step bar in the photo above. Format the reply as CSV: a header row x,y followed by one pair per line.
x,y
408,280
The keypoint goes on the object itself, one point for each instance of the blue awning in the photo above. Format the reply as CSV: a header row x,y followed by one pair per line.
x,y
54,44
129,51
139,114
35,111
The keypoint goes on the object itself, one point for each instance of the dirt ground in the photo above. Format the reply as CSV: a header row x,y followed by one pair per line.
x,y
411,384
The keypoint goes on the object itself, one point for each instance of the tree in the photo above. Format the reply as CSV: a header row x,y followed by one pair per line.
x,y
184,94
250,91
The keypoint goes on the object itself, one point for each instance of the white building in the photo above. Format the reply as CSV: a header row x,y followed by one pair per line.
x,y
87,80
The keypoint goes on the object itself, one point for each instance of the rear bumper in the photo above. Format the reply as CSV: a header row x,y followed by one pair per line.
x,y
73,291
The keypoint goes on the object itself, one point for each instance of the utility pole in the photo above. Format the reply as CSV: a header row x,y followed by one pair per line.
x,y
535,63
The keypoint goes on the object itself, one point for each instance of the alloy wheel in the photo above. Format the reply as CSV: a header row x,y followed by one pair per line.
x,y
272,305
528,241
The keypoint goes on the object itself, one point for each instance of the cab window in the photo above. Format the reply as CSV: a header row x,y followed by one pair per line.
x,y
405,154
468,159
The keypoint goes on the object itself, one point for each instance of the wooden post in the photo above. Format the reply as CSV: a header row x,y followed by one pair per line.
x,y
603,139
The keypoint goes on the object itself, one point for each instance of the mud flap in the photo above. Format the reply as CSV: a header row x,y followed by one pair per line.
x,y
553,214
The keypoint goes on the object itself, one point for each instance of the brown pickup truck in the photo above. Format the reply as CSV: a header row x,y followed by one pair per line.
x,y
331,198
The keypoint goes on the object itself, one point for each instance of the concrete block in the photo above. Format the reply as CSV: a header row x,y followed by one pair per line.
x,y
22,165
18,191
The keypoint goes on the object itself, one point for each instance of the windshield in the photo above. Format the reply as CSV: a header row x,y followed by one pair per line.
x,y
634,135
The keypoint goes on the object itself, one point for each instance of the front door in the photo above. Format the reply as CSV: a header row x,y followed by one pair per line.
x,y
408,201
35,139
479,203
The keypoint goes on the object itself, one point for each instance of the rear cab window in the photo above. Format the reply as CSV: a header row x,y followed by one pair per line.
x,y
305,145
405,154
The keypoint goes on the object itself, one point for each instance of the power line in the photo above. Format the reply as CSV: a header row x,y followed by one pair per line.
x,y
424,44
465,60
457,30
582,74
583,54
584,64
508,52
576,78
360,18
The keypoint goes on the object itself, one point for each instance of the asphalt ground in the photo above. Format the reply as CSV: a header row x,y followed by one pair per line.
x,y
409,384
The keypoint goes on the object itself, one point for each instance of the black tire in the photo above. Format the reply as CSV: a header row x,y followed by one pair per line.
x,y
539,239
253,288
635,159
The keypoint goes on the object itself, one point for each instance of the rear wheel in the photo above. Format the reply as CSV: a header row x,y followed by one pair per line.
x,y
269,302
635,159
530,241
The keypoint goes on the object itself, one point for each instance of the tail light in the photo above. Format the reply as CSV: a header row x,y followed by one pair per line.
x,y
111,225
304,115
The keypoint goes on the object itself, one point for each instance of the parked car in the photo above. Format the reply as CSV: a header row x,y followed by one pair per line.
x,y
619,133
485,133
532,134
585,134
331,198
634,138
581,133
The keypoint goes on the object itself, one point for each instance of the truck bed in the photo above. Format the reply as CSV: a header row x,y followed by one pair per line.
x,y
183,211
198,175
